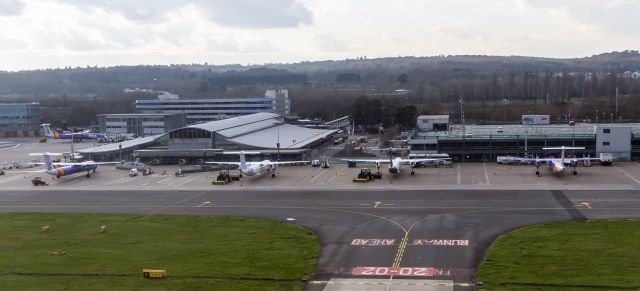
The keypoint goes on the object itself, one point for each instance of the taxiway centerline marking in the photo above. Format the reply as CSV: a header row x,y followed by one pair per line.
x,y
628,175
13,147
177,203
486,175
204,203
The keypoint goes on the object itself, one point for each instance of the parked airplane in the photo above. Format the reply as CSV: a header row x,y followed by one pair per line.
x,y
557,165
59,134
66,169
396,164
255,168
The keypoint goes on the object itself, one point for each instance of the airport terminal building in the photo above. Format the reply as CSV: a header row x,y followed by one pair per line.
x,y
264,132
140,124
205,110
484,143
19,119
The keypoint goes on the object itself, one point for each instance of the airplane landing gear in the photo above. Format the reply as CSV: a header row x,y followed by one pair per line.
x,y
88,175
94,170
273,175
538,173
575,173
412,172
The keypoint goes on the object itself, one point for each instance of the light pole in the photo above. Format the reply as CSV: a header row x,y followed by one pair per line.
x,y
616,102
464,129
596,116
505,110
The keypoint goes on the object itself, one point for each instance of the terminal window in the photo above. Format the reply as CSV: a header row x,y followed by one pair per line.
x,y
605,143
606,130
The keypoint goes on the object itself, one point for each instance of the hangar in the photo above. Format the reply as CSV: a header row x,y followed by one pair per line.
x,y
265,132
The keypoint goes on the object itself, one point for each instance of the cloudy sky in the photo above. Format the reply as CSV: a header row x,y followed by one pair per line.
x,y
59,33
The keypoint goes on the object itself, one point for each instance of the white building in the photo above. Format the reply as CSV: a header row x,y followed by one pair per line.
x,y
140,124
433,122
205,110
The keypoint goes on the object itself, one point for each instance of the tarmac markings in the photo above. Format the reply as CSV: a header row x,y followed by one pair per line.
x,y
486,174
372,242
403,271
628,175
441,242
14,178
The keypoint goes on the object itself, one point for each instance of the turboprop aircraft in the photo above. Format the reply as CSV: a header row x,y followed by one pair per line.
x,y
558,165
255,168
66,169
60,134
396,164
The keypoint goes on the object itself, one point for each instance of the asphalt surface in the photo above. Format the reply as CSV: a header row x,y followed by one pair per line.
x,y
368,235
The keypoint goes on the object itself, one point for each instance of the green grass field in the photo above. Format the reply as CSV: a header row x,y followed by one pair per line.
x,y
598,255
199,253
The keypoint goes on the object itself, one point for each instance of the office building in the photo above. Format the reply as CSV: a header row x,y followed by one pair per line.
x,y
20,119
140,124
205,110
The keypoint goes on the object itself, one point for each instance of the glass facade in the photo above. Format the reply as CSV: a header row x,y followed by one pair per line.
x,y
20,117
204,110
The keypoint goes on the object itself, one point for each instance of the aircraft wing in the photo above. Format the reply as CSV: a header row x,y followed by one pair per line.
x,y
584,159
385,161
102,163
423,160
289,162
226,163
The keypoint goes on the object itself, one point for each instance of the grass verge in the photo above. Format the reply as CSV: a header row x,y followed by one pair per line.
x,y
198,252
598,255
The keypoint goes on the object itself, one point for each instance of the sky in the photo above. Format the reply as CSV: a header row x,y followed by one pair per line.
x,y
37,34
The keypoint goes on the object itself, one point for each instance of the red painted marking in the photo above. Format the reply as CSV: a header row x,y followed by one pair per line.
x,y
372,242
401,271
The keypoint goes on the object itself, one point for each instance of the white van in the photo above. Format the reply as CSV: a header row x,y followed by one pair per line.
x,y
133,173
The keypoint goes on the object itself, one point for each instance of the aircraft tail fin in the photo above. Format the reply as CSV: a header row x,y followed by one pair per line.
x,y
46,159
243,161
46,129
563,149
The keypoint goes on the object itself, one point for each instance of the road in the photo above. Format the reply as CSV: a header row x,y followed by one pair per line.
x,y
372,240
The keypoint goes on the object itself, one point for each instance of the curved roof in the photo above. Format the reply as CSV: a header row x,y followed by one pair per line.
x,y
289,136
220,125
115,147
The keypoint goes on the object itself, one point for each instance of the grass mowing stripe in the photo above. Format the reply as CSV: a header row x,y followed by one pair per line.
x,y
590,254
189,247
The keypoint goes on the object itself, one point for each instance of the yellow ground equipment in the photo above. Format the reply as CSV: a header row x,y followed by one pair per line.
x,y
224,177
154,273
366,175
37,181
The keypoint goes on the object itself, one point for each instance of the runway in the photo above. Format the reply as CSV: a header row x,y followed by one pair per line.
x,y
372,240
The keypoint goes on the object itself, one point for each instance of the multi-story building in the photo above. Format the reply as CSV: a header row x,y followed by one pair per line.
x,y
205,110
140,124
19,119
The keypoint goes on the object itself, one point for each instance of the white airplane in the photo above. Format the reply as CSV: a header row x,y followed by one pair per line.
x,y
396,164
557,165
255,168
